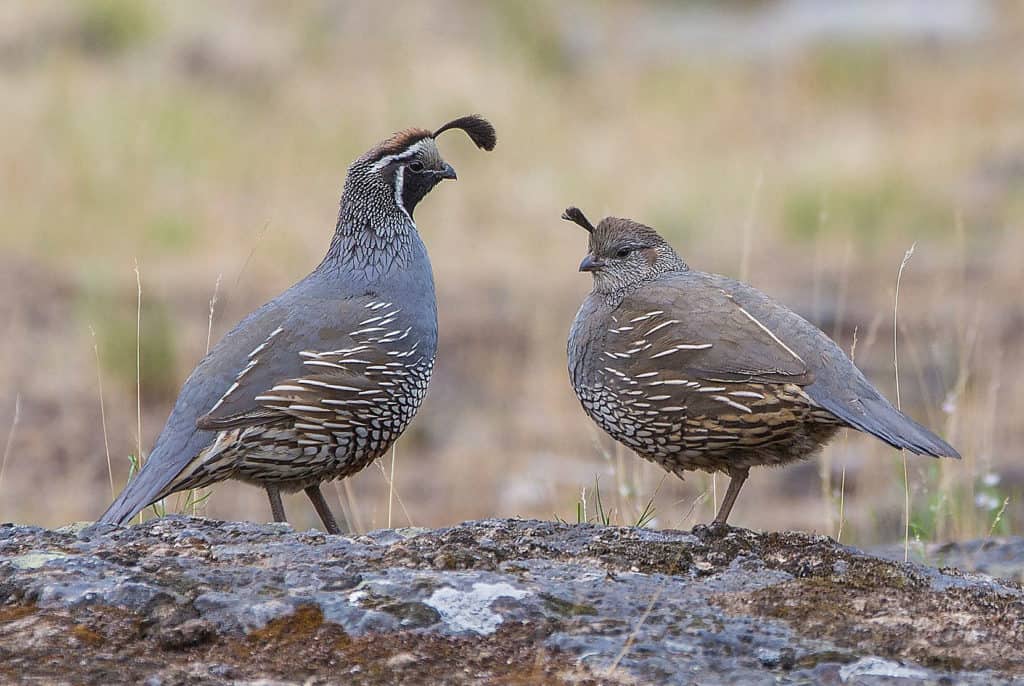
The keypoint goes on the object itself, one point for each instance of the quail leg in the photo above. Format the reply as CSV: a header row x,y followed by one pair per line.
x,y
736,479
326,516
276,506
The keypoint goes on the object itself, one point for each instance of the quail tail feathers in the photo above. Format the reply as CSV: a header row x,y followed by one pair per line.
x,y
880,419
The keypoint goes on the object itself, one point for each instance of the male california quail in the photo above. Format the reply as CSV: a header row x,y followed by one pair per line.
x,y
698,371
321,380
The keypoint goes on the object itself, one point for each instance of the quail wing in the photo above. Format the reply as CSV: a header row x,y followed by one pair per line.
x,y
705,335
354,356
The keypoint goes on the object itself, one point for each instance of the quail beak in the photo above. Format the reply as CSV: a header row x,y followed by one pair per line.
x,y
447,172
591,264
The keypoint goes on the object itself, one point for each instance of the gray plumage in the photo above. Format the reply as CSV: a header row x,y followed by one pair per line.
x,y
698,371
321,380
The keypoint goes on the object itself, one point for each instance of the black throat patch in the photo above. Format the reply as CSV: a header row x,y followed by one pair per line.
x,y
414,187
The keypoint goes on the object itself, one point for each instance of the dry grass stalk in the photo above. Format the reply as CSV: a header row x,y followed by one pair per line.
x,y
632,636
846,442
10,436
138,363
196,496
899,405
103,411
138,371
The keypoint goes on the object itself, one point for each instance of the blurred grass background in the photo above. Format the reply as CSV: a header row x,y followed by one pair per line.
x,y
803,146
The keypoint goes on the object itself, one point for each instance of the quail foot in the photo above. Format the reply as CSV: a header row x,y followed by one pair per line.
x,y
697,371
321,380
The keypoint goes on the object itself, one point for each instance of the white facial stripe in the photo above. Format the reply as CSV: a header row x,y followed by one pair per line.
x,y
404,155
399,182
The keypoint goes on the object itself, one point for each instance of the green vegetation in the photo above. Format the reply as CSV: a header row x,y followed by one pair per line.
x,y
870,210
113,26
114,320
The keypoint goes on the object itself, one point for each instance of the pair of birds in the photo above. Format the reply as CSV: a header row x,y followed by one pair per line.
x,y
690,370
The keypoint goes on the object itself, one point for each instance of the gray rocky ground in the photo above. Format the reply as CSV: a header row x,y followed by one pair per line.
x,y
193,601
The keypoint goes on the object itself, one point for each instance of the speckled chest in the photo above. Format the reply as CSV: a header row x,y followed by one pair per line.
x,y
349,409
643,397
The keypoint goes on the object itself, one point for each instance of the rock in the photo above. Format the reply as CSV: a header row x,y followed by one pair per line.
x,y
190,633
997,557
185,600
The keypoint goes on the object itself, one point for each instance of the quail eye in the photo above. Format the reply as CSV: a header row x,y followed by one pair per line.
x,y
416,166
623,252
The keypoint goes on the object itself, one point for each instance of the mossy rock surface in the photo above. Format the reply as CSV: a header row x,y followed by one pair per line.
x,y
187,600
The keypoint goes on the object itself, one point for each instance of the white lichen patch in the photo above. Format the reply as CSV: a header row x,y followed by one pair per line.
x,y
877,667
35,560
471,610
368,589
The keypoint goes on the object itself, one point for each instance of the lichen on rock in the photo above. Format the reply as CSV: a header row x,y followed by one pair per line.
x,y
180,599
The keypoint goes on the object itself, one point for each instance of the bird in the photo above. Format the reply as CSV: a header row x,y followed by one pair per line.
x,y
321,380
696,371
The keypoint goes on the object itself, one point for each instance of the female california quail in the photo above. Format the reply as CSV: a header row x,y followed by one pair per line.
x,y
698,371
321,380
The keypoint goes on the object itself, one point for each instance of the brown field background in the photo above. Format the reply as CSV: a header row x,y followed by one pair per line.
x,y
772,141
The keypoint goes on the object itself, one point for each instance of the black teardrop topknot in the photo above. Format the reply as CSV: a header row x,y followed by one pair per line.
x,y
479,130
575,214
